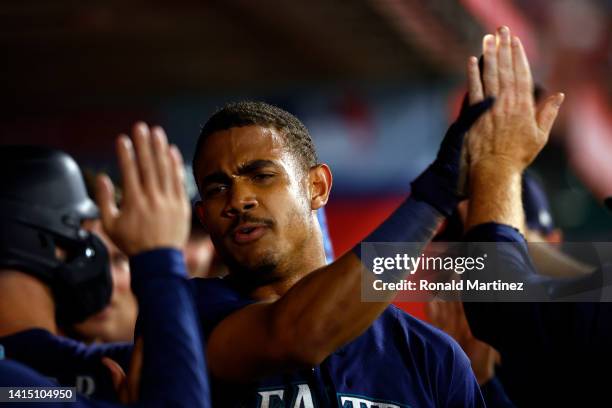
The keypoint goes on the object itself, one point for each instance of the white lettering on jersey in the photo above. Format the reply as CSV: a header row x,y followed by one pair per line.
x,y
85,385
266,396
303,398
357,402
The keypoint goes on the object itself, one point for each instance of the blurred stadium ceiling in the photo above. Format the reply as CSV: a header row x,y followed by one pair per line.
x,y
69,52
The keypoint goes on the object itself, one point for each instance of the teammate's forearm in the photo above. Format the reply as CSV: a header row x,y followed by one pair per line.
x,y
552,262
495,195
174,367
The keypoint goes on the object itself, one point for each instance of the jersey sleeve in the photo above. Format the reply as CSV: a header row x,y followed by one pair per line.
x,y
519,326
174,368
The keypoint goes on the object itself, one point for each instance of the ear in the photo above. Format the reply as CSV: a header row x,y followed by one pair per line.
x,y
199,209
319,184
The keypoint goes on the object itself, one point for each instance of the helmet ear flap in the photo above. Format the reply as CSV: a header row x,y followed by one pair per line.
x,y
83,284
45,241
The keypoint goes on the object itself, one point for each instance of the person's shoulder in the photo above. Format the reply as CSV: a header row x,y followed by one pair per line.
x,y
26,341
35,341
439,356
216,298
215,290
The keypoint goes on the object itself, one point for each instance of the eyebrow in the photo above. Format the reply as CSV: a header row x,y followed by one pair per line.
x,y
246,168
254,165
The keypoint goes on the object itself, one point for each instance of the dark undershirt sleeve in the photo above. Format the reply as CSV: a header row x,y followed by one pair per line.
x,y
518,326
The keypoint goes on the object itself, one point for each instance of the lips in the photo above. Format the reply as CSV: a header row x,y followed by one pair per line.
x,y
247,233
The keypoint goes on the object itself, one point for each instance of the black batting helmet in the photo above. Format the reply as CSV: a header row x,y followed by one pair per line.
x,y
43,201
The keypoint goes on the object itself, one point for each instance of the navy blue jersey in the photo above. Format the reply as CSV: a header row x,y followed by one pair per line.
x,y
552,354
69,362
398,362
174,368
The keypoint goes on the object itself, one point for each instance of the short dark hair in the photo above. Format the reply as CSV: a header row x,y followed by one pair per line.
x,y
247,113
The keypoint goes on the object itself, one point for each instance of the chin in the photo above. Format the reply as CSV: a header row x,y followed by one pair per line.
x,y
259,267
252,256
262,265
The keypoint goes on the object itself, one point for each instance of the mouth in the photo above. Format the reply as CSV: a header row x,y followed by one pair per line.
x,y
247,233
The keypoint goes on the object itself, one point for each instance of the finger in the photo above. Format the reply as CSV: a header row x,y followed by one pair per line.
x,y
504,60
547,112
144,153
431,311
462,323
133,377
475,91
162,159
450,325
490,74
444,322
522,72
496,356
128,167
178,171
105,197
116,372
461,311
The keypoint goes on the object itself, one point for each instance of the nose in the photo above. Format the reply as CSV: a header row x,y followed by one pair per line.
x,y
240,200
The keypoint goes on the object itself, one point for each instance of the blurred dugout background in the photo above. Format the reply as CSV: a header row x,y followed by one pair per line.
x,y
376,82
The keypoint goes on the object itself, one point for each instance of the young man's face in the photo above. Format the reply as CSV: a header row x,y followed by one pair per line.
x,y
255,200
117,320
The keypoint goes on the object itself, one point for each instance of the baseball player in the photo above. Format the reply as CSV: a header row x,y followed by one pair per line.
x,y
54,272
553,354
284,328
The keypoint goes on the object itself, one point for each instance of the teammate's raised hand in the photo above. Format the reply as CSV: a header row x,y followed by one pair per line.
x,y
514,131
443,183
154,211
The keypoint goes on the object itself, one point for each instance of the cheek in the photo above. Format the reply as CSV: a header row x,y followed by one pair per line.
x,y
121,278
292,211
211,219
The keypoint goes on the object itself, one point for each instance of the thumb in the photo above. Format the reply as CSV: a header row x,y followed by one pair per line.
x,y
470,114
105,198
116,372
547,112
135,371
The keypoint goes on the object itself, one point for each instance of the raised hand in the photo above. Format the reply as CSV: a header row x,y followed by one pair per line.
x,y
514,131
443,183
154,212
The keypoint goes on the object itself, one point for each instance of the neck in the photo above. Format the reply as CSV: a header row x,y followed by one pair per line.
x,y
26,303
277,288
309,257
